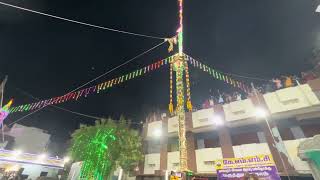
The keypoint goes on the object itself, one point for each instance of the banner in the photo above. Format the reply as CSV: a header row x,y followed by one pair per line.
x,y
255,167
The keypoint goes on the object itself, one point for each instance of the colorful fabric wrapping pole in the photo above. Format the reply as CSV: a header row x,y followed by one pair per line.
x,y
189,104
171,89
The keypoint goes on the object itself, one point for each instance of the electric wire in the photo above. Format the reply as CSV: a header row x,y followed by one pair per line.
x,y
98,77
79,22
60,108
117,67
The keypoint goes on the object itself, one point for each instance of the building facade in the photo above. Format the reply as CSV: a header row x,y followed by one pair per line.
x,y
24,151
29,139
238,129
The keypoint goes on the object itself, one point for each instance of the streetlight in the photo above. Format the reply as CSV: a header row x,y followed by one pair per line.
x,y
261,113
66,159
217,120
157,133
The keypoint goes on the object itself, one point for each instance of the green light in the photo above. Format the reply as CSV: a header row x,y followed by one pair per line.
x,y
104,147
189,173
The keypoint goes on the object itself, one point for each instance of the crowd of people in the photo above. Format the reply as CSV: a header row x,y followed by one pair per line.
x,y
269,86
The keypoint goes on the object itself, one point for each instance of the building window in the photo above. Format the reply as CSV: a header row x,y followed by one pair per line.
x,y
173,145
43,174
297,132
245,138
153,147
286,134
311,130
200,144
211,143
176,164
209,163
261,137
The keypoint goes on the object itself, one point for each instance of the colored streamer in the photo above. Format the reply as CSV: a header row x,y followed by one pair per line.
x,y
87,91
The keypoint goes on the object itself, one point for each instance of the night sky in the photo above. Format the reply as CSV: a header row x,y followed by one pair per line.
x,y
48,57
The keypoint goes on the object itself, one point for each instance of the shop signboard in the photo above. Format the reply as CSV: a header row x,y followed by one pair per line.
x,y
252,167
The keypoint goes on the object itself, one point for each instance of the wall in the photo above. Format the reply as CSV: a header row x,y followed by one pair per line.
x,y
173,124
151,163
34,171
291,99
251,150
292,149
29,139
239,110
202,118
205,159
173,161
74,171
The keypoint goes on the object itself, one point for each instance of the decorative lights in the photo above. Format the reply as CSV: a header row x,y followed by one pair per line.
x,y
88,91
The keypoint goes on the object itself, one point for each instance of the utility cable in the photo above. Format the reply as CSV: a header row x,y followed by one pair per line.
x,y
109,71
117,67
79,22
60,108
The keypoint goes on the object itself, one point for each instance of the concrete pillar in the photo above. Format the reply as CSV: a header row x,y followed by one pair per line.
x,y
144,148
191,143
164,145
224,135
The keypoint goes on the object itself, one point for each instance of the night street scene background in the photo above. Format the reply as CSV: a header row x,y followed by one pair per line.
x,y
251,41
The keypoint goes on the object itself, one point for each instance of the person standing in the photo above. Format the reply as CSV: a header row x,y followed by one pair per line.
x,y
288,81
277,83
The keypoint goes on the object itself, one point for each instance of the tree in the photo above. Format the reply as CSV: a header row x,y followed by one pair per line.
x,y
105,146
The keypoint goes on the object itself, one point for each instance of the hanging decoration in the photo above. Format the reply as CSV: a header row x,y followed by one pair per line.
x,y
218,75
4,111
189,104
171,89
172,41
96,89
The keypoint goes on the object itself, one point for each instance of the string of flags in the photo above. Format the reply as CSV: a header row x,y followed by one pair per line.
x,y
96,89
218,74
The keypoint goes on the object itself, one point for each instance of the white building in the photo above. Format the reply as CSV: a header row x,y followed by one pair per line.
x,y
29,139
26,149
236,130
32,165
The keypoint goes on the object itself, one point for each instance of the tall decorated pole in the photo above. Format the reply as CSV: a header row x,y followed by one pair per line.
x,y
179,66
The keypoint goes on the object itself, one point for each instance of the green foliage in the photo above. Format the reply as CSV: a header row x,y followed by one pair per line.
x,y
105,146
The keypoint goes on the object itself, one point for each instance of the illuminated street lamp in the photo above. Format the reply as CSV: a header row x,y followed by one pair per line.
x,y
261,113
217,120
157,133
66,159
